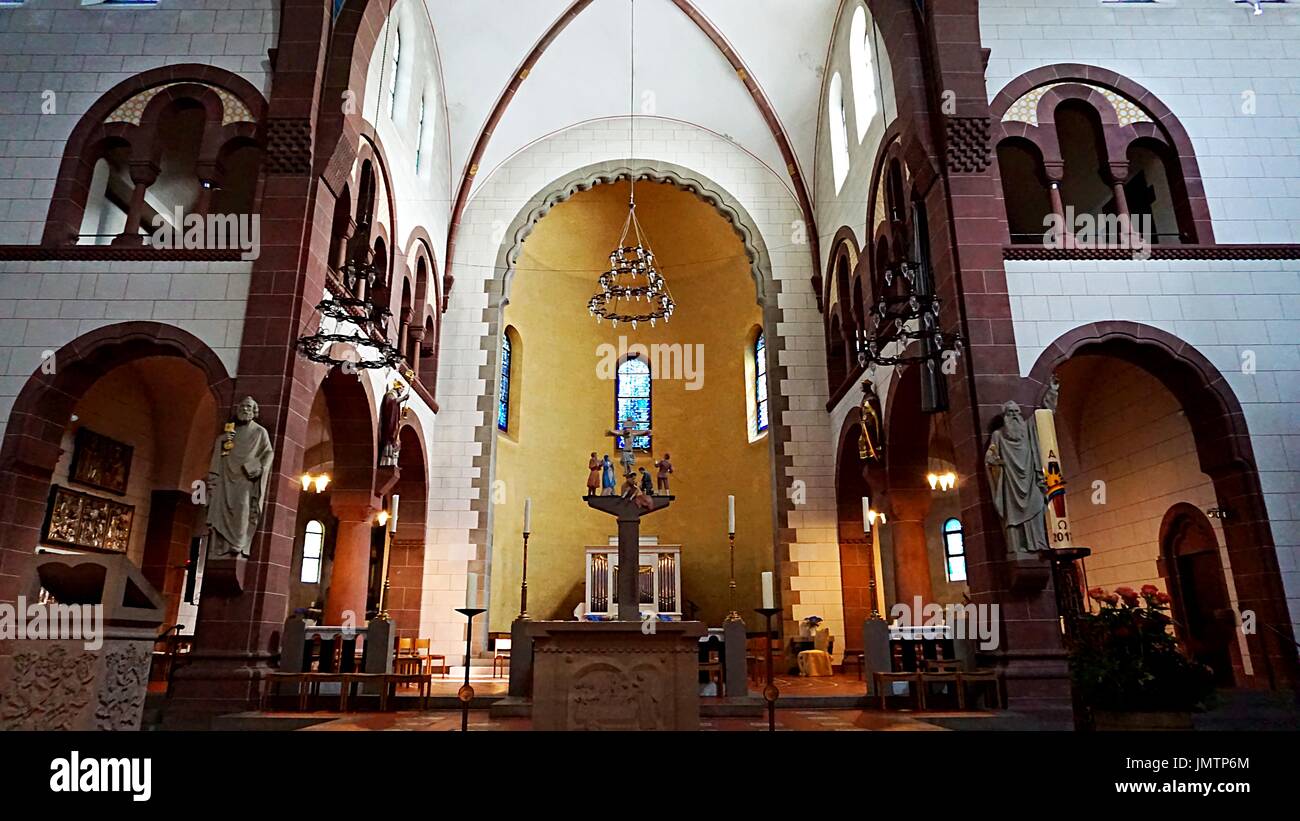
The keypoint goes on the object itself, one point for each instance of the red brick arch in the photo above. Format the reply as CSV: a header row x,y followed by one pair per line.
x,y
42,410
1193,207
82,150
1224,450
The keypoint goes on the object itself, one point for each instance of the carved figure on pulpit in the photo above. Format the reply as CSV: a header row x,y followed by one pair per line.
x,y
594,466
665,467
607,477
391,413
647,484
633,493
238,477
628,433
1019,486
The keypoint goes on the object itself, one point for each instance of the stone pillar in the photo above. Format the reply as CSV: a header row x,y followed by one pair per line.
x,y
172,519
908,509
350,576
143,174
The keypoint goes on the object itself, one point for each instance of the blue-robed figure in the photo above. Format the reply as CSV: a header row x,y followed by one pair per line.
x,y
607,477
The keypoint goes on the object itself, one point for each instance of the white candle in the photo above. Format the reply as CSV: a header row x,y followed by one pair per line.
x,y
392,514
471,591
731,514
528,515
866,515
769,598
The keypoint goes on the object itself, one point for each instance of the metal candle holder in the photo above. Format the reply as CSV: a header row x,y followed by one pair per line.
x,y
466,692
732,615
771,692
523,585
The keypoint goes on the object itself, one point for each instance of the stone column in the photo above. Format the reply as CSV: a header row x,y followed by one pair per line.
x,y
908,509
143,174
350,576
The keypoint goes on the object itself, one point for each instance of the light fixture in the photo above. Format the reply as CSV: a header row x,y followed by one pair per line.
x,y
312,481
942,481
632,290
1217,512
901,319
382,517
870,516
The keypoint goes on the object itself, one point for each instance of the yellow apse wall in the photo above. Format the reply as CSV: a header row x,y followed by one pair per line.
x,y
561,406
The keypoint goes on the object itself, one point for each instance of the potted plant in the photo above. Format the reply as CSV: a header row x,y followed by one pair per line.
x,y
809,626
1127,667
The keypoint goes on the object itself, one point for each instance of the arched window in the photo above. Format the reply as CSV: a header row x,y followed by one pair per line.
x,y
632,398
954,549
865,105
397,62
313,544
503,398
760,382
839,132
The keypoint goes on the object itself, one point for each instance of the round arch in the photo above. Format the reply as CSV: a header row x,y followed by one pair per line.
x,y
1225,455
32,440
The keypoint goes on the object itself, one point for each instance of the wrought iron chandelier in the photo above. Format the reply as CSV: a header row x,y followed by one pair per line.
x,y
632,290
356,321
901,319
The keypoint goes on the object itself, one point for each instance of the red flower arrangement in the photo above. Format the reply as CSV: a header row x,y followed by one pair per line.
x,y
1125,656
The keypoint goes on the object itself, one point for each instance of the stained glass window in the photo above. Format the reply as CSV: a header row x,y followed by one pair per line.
x,y
503,400
760,381
313,541
954,548
632,398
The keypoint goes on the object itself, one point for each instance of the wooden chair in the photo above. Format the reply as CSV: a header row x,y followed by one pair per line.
x,y
981,678
422,649
406,646
914,686
501,655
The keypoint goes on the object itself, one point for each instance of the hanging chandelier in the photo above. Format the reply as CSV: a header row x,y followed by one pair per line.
x,y
632,290
353,319
901,319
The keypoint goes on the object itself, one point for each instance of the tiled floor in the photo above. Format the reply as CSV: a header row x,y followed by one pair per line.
x,y
816,720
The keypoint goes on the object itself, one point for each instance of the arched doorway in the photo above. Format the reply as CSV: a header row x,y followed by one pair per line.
x,y
859,585
1190,562
1196,404
150,394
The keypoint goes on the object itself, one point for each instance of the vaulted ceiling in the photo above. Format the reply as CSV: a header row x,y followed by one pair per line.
x,y
681,72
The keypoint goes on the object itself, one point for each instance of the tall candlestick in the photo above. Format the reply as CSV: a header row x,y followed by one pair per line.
x,y
769,598
392,515
471,591
731,514
866,515
528,515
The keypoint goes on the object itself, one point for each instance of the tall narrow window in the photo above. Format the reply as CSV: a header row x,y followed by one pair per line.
x,y
954,549
839,132
760,381
632,398
313,543
419,136
503,399
397,61
863,74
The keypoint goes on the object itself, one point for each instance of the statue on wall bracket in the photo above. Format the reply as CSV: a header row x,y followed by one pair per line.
x,y
871,440
1014,466
392,412
238,478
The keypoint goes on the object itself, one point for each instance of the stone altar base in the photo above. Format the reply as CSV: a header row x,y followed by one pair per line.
x,y
608,675
62,685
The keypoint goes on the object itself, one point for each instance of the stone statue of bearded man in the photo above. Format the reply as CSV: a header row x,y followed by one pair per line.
x,y
237,481
1019,487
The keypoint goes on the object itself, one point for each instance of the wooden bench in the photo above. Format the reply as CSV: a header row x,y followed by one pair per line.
x,y
308,686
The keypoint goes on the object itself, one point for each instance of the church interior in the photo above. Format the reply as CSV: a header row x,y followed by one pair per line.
x,y
934,362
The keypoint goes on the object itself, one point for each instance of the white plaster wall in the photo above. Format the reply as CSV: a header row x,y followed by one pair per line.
x,y
423,198
849,206
79,53
1205,59
1235,313
44,305
454,478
